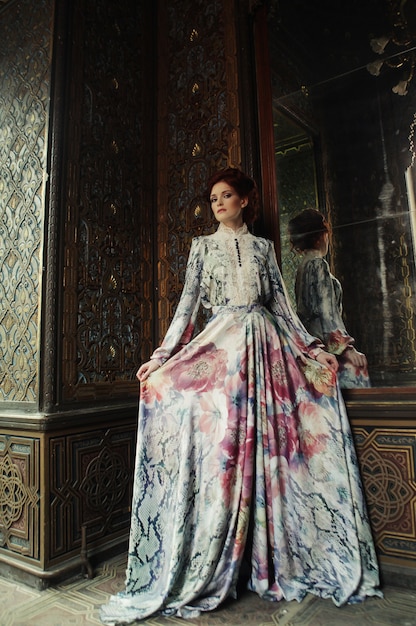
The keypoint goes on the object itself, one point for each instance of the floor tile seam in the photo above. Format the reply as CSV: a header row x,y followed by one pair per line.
x,y
38,608
75,598
90,593
85,582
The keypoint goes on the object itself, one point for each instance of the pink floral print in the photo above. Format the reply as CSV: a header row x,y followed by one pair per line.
x,y
239,441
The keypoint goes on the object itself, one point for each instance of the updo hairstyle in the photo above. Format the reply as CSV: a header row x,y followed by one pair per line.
x,y
243,185
306,229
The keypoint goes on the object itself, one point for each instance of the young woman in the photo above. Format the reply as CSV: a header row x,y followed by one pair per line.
x,y
242,434
319,297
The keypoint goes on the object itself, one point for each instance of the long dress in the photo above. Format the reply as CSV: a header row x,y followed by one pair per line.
x,y
243,444
319,306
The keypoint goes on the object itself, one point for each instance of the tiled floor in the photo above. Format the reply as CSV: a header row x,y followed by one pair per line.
x,y
76,602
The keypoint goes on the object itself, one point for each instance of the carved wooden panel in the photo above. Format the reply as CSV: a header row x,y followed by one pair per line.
x,y
90,485
388,464
25,50
198,125
107,310
20,511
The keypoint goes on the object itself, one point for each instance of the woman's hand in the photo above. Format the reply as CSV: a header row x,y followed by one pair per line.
x,y
146,369
358,359
329,360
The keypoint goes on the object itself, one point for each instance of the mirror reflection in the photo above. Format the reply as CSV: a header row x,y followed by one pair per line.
x,y
344,108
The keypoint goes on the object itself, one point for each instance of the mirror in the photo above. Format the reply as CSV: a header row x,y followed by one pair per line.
x,y
344,114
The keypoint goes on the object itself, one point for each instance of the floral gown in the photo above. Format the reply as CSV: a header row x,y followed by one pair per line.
x,y
319,306
243,445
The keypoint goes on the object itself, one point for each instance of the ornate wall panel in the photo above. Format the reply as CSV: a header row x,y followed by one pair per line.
x,y
90,486
107,274
198,128
25,51
20,490
388,464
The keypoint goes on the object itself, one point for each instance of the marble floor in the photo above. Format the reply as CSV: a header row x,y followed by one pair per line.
x,y
75,603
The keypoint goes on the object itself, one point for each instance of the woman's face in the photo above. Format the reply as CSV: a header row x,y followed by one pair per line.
x,y
227,205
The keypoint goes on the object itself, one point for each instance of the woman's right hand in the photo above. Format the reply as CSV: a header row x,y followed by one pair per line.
x,y
146,369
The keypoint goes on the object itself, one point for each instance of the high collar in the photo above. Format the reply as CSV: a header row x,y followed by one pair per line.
x,y
230,232
312,253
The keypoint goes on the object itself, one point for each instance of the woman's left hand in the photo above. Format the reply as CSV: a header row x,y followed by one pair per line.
x,y
329,360
357,358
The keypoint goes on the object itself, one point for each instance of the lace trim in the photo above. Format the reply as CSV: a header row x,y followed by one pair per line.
x,y
312,254
230,232
242,270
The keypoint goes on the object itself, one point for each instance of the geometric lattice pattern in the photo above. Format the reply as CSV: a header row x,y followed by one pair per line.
x,y
12,494
90,486
77,602
103,478
19,495
388,466
25,40
88,479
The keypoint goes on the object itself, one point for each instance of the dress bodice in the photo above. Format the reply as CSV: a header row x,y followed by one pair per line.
x,y
233,268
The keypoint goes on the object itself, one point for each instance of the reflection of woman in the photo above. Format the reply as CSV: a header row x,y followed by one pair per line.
x,y
242,433
319,297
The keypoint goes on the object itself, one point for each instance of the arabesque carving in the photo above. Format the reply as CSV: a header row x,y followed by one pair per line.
x,y
107,273
199,115
388,462
24,110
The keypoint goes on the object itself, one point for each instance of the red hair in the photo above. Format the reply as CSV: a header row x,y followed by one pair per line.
x,y
243,185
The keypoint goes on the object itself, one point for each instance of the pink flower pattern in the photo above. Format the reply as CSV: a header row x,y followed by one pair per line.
x,y
236,439
202,372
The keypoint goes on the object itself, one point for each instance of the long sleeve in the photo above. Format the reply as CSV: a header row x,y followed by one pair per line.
x,y
182,326
319,305
279,305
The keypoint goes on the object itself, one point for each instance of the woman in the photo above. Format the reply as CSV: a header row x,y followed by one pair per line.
x,y
242,433
319,297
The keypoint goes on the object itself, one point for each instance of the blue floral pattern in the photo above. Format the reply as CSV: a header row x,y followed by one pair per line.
x,y
242,433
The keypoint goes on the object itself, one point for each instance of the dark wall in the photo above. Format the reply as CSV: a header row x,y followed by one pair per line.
x,y
109,155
